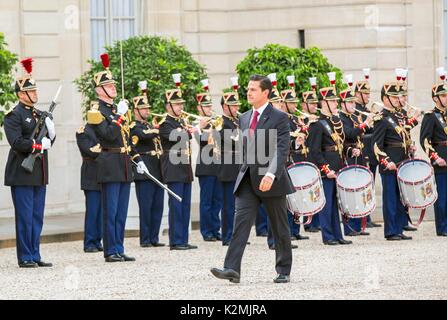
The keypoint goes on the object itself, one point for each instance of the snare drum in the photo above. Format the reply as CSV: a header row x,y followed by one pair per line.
x,y
355,191
417,184
308,198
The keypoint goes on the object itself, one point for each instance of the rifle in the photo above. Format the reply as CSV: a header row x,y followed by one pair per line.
x,y
39,132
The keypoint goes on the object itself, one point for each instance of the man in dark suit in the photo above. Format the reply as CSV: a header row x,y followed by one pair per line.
x,y
261,181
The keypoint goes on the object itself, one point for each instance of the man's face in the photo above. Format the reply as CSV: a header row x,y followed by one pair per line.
x,y
31,100
144,113
312,107
403,100
443,99
350,106
290,107
277,105
333,106
109,88
177,108
255,95
391,101
205,111
234,110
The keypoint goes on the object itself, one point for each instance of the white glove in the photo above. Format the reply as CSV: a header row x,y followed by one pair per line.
x,y
46,144
50,127
122,107
141,168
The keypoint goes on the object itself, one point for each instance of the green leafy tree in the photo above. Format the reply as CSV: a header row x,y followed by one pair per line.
x,y
7,93
153,59
286,61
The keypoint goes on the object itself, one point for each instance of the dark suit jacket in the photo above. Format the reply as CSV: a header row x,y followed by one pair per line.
x,y
271,121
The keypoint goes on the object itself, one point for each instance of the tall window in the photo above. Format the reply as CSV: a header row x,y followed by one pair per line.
x,y
112,20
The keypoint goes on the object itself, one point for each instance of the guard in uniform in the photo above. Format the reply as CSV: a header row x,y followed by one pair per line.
x,y
362,94
392,145
433,140
230,162
27,189
150,196
326,140
114,162
176,168
90,148
353,147
309,105
298,147
207,169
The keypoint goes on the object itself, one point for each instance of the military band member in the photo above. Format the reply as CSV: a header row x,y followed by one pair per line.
x,y
28,190
363,94
433,140
230,162
207,170
392,145
353,147
298,147
90,148
326,139
150,196
309,105
114,162
176,168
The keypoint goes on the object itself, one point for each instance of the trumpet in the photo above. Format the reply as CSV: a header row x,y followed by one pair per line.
x,y
216,121
307,115
158,119
376,103
414,108
365,113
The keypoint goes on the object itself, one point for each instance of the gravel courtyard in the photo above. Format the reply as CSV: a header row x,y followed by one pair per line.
x,y
372,268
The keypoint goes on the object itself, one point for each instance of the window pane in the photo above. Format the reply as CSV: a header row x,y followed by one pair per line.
x,y
123,8
98,40
98,8
123,29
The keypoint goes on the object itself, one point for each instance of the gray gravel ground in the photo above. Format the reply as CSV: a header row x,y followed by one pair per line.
x,y
372,268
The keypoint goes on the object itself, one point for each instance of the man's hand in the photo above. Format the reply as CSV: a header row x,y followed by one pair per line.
x,y
51,128
266,184
46,144
355,153
441,162
141,168
391,166
203,123
332,175
122,108
412,149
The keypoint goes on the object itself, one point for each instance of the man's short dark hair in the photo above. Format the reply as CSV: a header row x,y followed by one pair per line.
x,y
264,82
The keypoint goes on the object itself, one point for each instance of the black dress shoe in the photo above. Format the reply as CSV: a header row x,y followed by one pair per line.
x,y
373,225
210,239
179,247
27,264
218,238
127,258
264,234
43,264
91,250
404,237
394,238
343,241
226,274
331,242
363,233
146,245
158,244
272,247
299,237
100,249
114,258
225,244
294,246
282,278
409,228
191,246
352,234
444,234
312,230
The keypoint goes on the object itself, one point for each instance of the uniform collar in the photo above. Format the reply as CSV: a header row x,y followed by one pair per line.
x,y
105,103
26,106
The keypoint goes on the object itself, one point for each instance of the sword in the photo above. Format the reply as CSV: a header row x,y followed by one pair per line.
x,y
158,182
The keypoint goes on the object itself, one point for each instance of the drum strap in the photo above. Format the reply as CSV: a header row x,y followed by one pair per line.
x,y
441,121
400,131
334,136
421,217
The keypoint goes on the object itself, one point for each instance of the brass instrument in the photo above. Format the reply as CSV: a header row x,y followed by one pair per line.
x,y
158,119
215,121
311,117
414,108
